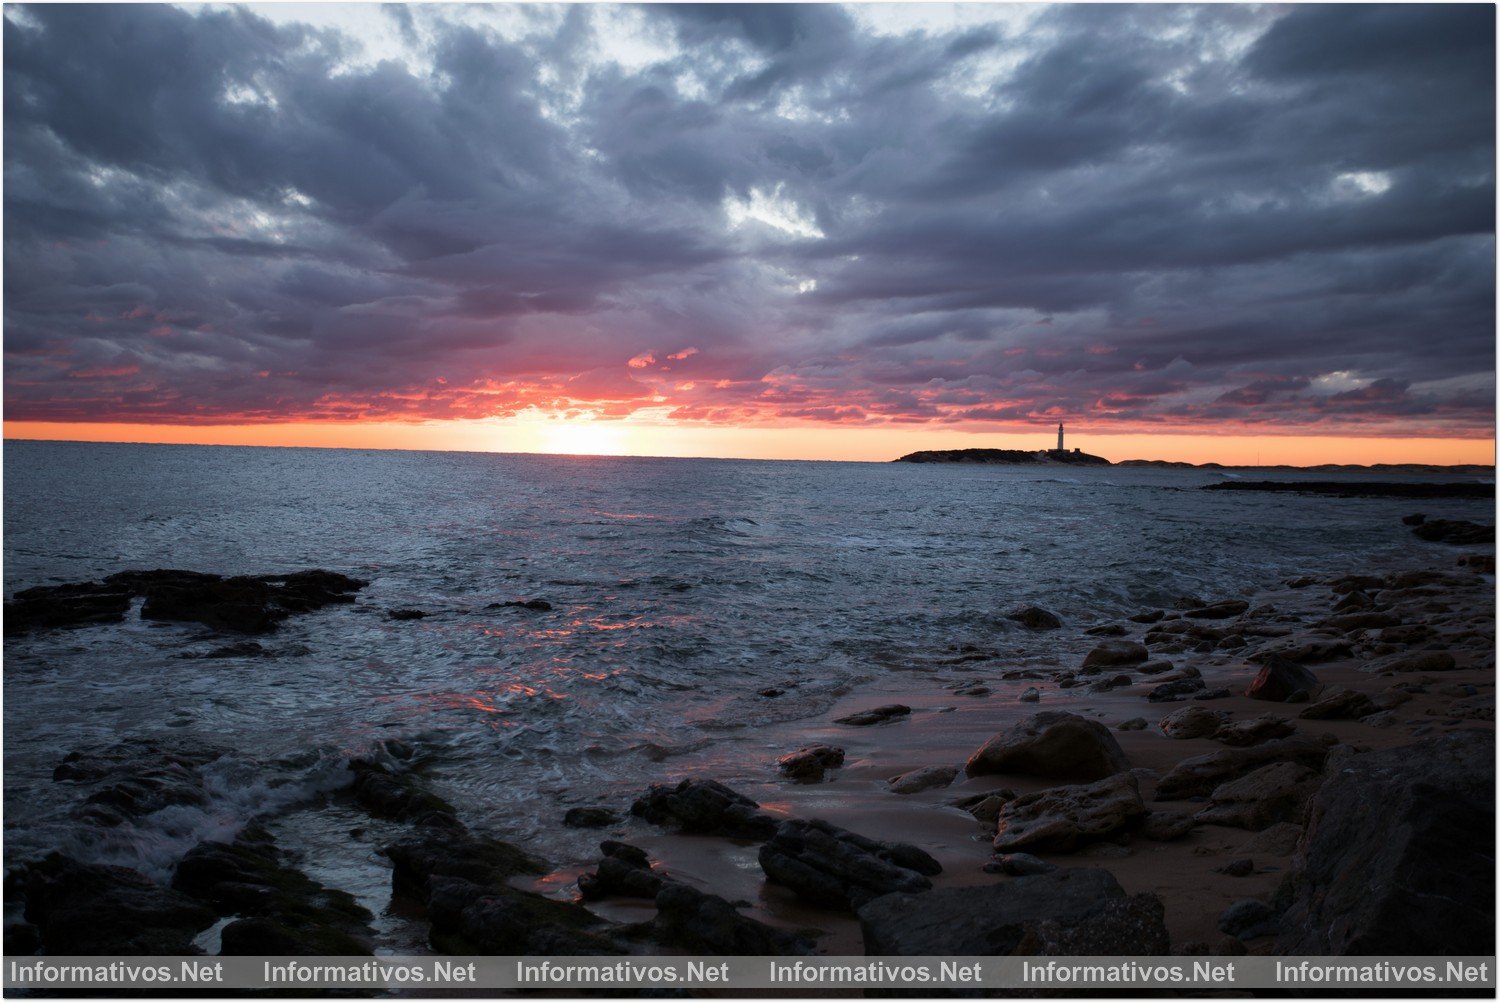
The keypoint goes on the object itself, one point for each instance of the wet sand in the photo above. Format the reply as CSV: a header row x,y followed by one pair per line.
x,y
944,729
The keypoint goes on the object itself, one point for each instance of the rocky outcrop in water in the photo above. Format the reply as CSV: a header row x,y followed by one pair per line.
x,y
1078,911
1455,531
705,807
82,908
809,764
243,604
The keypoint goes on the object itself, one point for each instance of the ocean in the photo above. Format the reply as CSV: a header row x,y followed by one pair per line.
x,y
679,590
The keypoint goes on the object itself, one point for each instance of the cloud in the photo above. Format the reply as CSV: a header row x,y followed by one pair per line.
x,y
1129,217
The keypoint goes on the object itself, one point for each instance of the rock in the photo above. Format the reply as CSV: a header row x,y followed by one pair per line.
x,y
1147,616
1397,856
1415,519
1455,531
1112,683
1075,911
1355,600
986,807
1255,731
96,909
1422,661
625,870
699,923
1299,696
808,764
705,807
590,818
22,939
1385,719
1134,724
535,605
1061,818
1029,695
1219,694
1221,610
1051,744
771,691
1163,827
407,614
1313,649
1483,564
472,919
876,715
1475,708
1346,704
419,858
1177,689
1351,622
1278,840
1154,667
278,904
1035,618
1248,919
1271,794
1192,722
924,779
1021,865
1199,775
1106,630
837,869
399,797
1237,868
1279,679
1112,653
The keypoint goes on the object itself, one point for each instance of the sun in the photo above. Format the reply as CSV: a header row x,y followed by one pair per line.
x,y
583,437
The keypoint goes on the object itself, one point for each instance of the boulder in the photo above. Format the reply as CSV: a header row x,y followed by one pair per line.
x,y
837,869
1261,729
1035,618
924,779
399,796
1029,695
590,818
1398,858
700,923
1199,775
97,909
1421,661
1133,724
1192,722
472,919
1279,678
1021,865
876,715
704,807
1271,794
1061,818
625,870
1077,911
1112,653
1221,610
440,852
1455,531
407,614
1052,744
1176,690
1248,919
1278,840
809,764
1163,827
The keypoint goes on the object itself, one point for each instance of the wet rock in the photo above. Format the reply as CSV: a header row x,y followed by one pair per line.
x,y
1192,722
1351,622
1344,705
1112,653
1052,744
1475,708
22,939
398,796
1062,818
96,909
240,649
1307,650
250,605
1134,724
1217,694
1176,690
771,691
1163,826
700,923
1385,719
74,605
1278,840
1199,775
1355,600
1106,630
1279,678
876,715
1455,531
625,871
279,904
1154,667
1271,794
1248,919
986,807
1076,911
437,852
1415,519
535,605
1397,856
138,777
1421,661
1021,865
590,818
1035,618
1483,564
1029,695
1221,610
1255,731
1112,683
1147,616
704,807
407,614
468,918
809,764
837,869
924,779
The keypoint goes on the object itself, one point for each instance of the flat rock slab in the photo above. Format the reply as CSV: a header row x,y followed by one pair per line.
x,y
1262,798
1077,911
837,869
1201,774
1062,818
1052,744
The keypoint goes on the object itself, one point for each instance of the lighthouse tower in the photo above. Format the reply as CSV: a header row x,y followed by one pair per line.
x,y
1059,437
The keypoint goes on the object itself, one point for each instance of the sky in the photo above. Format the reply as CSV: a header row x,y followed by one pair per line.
x,y
813,231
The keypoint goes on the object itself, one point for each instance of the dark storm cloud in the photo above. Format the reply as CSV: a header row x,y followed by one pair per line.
x,y
1151,217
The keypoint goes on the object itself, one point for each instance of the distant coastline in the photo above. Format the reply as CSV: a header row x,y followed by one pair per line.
x,y
1076,458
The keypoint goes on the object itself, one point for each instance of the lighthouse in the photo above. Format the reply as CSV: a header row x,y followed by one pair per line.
x,y
1059,437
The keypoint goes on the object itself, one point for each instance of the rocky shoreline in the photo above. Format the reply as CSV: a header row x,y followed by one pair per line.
x,y
1305,769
